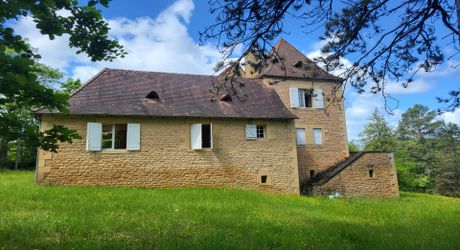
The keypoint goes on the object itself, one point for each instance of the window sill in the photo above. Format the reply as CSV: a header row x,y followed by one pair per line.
x,y
114,151
310,108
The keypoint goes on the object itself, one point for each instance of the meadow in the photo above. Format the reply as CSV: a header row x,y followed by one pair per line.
x,y
65,217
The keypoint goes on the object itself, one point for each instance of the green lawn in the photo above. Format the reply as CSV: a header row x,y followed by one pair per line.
x,y
34,217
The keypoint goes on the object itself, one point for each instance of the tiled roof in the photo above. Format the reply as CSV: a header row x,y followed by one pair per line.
x,y
290,67
123,92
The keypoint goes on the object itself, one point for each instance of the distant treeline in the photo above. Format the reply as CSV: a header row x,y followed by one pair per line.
x,y
426,148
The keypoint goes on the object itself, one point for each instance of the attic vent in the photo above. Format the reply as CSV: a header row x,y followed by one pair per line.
x,y
153,95
298,64
226,98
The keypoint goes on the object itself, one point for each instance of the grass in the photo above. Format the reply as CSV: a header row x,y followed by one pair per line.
x,y
38,217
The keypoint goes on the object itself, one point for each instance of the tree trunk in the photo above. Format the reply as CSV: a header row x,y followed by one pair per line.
x,y
3,149
18,150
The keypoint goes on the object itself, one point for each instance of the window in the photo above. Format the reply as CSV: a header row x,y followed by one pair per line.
x,y
260,131
317,136
263,179
300,136
201,136
306,98
112,136
312,173
370,170
255,131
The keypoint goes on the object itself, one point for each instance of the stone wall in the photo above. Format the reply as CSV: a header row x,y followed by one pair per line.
x,y
166,159
330,119
355,180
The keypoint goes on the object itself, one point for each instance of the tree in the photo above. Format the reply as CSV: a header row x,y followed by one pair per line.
x,y
22,82
377,134
20,131
361,29
416,134
447,175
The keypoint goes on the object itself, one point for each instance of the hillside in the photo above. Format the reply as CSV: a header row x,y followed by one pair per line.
x,y
36,217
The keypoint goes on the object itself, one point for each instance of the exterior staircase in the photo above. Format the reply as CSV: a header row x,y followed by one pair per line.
x,y
324,176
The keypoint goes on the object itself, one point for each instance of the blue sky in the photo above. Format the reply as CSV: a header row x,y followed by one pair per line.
x,y
163,35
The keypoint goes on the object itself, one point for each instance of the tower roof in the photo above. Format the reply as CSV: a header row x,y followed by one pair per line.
x,y
294,64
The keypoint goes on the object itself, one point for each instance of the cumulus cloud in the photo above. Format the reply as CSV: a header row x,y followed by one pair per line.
x,y
453,117
419,86
154,44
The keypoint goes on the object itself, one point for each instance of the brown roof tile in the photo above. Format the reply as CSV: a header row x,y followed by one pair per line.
x,y
123,92
290,58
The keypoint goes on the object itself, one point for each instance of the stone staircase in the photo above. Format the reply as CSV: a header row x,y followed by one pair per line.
x,y
324,176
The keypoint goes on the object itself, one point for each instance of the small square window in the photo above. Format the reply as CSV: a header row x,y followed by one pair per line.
x,y
260,131
263,179
371,173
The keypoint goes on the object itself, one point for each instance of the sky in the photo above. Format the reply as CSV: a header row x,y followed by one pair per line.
x,y
163,35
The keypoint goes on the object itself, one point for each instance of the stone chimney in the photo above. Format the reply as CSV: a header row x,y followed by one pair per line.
x,y
250,70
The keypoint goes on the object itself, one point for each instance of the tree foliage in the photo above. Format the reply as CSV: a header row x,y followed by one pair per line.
x,y
427,150
24,83
377,134
361,29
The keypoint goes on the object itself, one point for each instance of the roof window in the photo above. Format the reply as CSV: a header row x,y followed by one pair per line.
x,y
153,95
226,98
298,64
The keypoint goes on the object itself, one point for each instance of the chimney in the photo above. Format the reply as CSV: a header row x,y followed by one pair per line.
x,y
250,67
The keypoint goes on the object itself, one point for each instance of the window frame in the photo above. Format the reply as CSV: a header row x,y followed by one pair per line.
x,y
257,128
113,137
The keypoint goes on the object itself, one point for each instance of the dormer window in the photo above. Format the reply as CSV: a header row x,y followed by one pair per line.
x,y
298,64
153,95
226,98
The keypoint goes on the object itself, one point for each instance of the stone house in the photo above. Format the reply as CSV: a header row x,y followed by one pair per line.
x,y
149,129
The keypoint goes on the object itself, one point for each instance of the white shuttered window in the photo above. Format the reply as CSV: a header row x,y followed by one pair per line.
x,y
251,131
300,136
317,136
93,136
201,136
133,140
294,93
319,98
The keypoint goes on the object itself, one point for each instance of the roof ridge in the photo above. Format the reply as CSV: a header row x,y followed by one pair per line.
x,y
159,72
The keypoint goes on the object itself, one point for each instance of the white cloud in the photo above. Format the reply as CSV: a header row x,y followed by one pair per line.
x,y
418,86
453,117
359,108
154,44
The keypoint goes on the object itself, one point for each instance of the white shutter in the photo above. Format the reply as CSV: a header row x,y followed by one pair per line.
x,y
133,136
210,125
319,98
93,136
195,136
251,131
300,136
317,136
294,97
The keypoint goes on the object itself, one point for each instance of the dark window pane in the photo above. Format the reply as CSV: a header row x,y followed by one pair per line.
x,y
206,135
107,136
260,131
308,97
120,136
